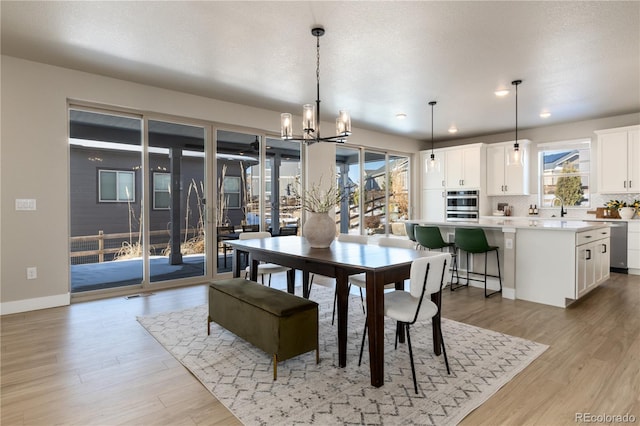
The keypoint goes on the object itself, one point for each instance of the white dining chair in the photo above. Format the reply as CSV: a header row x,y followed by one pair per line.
x,y
360,280
263,268
408,307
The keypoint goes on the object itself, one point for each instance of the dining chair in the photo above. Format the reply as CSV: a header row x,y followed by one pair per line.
x,y
430,238
263,268
408,307
360,280
344,238
224,233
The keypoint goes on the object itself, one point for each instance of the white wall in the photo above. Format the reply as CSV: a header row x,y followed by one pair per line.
x,y
34,164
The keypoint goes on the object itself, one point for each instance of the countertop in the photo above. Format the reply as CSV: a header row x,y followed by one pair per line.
x,y
522,223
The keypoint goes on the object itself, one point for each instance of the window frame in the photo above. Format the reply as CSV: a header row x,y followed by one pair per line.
x,y
132,198
156,190
568,145
227,192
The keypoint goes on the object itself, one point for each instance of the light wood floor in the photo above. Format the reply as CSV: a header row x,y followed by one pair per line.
x,y
92,363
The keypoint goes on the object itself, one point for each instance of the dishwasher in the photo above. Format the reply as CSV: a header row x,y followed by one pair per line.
x,y
618,247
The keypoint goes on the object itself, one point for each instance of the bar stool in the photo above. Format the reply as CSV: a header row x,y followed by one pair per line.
x,y
430,238
474,240
410,229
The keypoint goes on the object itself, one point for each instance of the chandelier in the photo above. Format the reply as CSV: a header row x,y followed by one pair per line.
x,y
311,113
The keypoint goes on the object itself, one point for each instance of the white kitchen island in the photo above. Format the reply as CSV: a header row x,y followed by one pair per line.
x,y
548,261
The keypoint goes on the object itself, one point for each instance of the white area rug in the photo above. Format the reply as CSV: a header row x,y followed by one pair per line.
x,y
241,376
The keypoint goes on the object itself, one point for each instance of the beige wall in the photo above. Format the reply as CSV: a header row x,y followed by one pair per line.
x,y
34,164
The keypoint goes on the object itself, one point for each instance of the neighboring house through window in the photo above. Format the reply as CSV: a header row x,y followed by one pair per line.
x,y
564,173
232,191
161,191
116,186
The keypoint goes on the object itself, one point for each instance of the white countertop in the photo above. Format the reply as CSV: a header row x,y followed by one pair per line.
x,y
522,223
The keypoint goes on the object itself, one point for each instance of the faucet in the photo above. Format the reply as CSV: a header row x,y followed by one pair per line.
x,y
563,211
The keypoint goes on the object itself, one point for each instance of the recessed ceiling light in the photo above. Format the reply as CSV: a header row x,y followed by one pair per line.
x,y
401,116
545,114
453,129
501,92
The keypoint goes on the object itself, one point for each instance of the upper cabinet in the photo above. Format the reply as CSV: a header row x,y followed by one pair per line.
x,y
463,167
503,179
435,179
619,160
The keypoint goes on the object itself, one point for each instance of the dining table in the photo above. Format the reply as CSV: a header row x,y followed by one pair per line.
x,y
382,265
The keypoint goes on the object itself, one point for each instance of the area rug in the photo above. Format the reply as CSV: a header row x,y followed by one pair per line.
x,y
241,376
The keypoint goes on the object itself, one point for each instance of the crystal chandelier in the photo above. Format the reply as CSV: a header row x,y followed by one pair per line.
x,y
311,113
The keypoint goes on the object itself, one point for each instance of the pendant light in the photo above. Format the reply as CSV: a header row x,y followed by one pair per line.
x,y
433,164
515,155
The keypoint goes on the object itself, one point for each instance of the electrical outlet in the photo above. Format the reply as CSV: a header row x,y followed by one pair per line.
x,y
509,243
25,204
32,273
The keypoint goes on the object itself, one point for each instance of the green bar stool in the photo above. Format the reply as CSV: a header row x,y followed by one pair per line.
x,y
430,238
409,228
474,240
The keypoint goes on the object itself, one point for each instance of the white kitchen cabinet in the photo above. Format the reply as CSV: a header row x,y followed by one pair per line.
x,y
433,205
436,179
503,179
592,260
619,160
463,167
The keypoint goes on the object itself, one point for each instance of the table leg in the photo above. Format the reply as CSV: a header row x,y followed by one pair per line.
x,y
291,281
435,325
253,270
342,289
235,263
375,323
305,284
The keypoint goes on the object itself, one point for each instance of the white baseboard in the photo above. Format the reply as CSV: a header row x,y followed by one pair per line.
x,y
26,305
509,293
633,271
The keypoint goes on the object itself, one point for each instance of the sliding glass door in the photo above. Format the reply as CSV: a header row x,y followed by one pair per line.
x,y
137,215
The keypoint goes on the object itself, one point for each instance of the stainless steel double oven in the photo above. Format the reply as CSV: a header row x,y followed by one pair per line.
x,y
463,206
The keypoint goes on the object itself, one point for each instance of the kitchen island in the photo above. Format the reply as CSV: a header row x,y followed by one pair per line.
x,y
548,261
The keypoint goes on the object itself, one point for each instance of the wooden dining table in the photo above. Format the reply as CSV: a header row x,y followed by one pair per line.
x,y
382,265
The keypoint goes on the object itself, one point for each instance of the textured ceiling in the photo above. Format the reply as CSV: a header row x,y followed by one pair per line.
x,y
578,60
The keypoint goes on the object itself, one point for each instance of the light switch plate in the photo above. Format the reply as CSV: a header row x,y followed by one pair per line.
x,y
25,204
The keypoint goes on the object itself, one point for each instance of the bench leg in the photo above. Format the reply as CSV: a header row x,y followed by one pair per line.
x,y
275,366
317,355
209,325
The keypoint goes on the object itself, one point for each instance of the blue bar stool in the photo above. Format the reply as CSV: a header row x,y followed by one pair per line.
x,y
430,238
474,240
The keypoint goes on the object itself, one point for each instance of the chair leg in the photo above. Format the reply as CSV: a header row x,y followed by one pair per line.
x,y
413,368
457,285
444,351
485,275
364,334
269,280
362,301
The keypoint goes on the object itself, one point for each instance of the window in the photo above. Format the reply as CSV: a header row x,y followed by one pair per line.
x,y
232,191
161,191
564,169
116,186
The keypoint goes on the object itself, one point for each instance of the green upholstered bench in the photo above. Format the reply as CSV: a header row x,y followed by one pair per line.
x,y
277,322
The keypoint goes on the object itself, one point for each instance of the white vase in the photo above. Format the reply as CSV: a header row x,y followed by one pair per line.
x,y
319,230
626,212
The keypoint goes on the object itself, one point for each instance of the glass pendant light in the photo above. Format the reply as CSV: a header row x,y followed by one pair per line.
x,y
515,155
433,164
